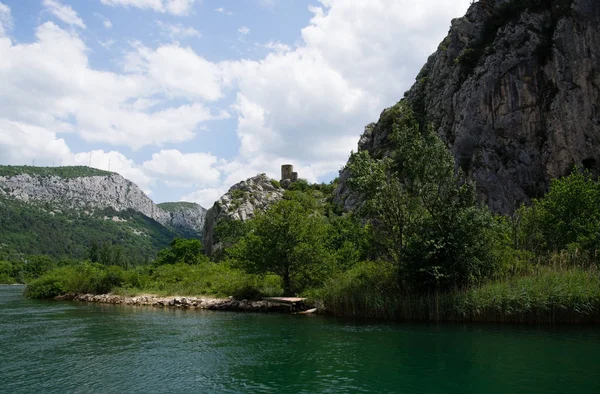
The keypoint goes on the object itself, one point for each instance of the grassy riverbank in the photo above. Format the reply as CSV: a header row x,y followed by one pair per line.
x,y
544,295
207,279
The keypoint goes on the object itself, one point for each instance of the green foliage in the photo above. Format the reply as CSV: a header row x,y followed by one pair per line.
x,y
9,273
177,206
369,289
62,172
300,185
76,279
186,251
239,194
275,184
425,219
41,229
182,279
567,218
288,240
547,295
228,232
37,265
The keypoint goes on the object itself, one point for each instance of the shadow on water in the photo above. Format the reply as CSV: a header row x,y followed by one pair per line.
x,y
68,347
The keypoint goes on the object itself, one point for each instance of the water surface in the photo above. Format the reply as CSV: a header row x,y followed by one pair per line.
x,y
67,347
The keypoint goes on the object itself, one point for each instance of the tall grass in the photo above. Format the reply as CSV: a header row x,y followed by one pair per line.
x,y
207,279
547,294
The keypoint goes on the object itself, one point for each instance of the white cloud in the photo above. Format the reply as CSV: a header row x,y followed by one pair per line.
x,y
277,46
64,12
222,10
180,72
50,84
175,7
105,21
205,197
177,31
244,30
6,20
183,169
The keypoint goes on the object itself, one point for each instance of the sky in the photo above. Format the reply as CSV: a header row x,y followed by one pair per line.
x,y
188,97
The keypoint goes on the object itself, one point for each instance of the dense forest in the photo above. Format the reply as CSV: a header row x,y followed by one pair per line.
x,y
42,229
419,247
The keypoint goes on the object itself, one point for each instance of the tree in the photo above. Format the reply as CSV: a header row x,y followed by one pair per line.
x,y
425,216
289,240
181,250
567,217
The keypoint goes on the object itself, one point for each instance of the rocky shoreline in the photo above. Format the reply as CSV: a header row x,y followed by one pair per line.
x,y
214,304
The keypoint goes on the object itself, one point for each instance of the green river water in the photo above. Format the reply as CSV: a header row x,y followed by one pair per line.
x,y
67,347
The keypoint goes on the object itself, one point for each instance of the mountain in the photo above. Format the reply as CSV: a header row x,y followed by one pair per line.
x,y
185,217
240,203
63,210
514,91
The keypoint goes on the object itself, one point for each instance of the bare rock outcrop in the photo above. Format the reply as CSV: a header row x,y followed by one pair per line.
x,y
514,91
88,193
241,202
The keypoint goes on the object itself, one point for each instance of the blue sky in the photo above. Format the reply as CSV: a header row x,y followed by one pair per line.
x,y
187,97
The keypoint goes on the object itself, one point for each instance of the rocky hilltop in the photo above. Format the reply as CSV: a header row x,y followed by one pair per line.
x,y
514,91
241,203
83,188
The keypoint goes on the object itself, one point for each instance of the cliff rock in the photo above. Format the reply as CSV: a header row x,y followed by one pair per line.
x,y
95,190
514,91
241,202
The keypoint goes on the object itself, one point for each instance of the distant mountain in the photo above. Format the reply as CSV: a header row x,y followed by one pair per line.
x,y
61,211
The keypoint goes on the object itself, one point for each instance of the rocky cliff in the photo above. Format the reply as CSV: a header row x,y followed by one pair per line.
x,y
185,216
514,91
87,189
241,202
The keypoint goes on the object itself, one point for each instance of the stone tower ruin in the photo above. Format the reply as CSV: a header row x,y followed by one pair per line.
x,y
286,172
288,175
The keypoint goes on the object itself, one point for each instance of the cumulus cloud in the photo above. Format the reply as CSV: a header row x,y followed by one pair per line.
x,y
183,169
205,197
50,84
64,12
175,7
180,72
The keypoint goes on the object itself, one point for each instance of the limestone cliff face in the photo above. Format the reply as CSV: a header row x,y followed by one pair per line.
x,y
185,216
514,91
241,202
97,192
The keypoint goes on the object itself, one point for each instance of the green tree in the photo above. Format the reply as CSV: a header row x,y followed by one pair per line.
x,y
37,265
568,217
289,240
424,215
181,250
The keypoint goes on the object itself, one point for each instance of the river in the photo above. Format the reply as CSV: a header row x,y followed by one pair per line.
x,y
67,347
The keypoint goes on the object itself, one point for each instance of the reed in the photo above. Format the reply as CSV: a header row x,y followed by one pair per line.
x,y
546,294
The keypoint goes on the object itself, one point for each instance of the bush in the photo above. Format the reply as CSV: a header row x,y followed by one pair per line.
x,y
566,219
48,286
369,289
